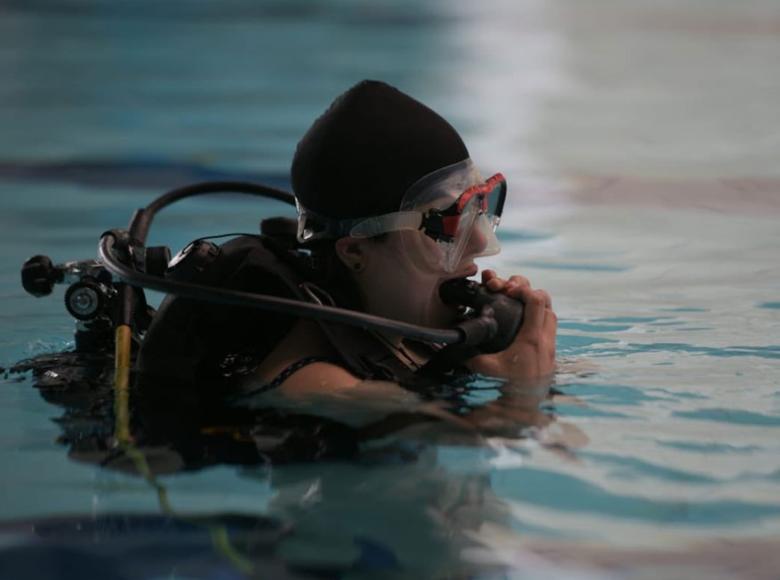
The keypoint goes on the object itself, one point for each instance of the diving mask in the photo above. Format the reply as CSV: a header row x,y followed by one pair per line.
x,y
454,207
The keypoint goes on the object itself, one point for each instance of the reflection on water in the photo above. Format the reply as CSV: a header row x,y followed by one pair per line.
x,y
360,499
639,140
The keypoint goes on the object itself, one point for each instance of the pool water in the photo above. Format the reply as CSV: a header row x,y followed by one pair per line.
x,y
640,143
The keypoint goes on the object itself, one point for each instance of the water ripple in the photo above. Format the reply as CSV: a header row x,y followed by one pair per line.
x,y
626,467
769,351
147,172
567,410
573,343
564,492
631,319
578,266
509,235
710,447
732,416
605,394
590,327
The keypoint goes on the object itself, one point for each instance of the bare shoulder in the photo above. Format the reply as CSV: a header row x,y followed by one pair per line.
x,y
304,340
321,378
318,377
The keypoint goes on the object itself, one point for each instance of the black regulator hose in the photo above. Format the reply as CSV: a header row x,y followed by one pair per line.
x,y
492,328
132,277
142,220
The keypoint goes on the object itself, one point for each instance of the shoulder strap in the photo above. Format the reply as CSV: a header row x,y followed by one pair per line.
x,y
361,351
189,340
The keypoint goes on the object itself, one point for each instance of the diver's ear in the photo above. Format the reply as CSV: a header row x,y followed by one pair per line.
x,y
351,251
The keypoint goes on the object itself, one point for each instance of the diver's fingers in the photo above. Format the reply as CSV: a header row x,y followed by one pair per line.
x,y
547,298
514,286
492,282
535,310
488,275
518,280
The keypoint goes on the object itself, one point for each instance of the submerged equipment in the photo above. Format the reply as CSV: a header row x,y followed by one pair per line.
x,y
106,296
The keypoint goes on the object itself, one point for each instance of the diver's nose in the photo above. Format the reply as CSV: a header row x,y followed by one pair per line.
x,y
477,241
482,240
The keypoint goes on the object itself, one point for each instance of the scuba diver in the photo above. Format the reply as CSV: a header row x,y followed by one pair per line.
x,y
390,207
392,214
365,296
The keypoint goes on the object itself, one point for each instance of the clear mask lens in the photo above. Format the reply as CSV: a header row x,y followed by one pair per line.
x,y
474,237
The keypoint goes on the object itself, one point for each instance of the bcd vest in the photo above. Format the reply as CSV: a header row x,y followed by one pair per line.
x,y
198,342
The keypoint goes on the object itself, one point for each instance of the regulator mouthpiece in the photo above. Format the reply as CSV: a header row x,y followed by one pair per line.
x,y
507,312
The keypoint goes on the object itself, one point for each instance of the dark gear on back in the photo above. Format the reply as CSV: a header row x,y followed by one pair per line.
x,y
357,159
195,342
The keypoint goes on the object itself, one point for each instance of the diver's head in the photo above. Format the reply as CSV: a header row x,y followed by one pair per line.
x,y
389,183
367,149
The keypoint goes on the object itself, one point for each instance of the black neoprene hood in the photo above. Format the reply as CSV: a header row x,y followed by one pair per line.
x,y
367,149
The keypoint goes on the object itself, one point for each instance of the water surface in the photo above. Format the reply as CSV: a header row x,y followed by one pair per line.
x,y
640,144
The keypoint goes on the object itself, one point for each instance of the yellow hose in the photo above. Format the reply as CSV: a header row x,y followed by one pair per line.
x,y
219,534
123,341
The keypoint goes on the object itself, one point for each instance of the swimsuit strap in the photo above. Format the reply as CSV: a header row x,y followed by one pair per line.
x,y
289,371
